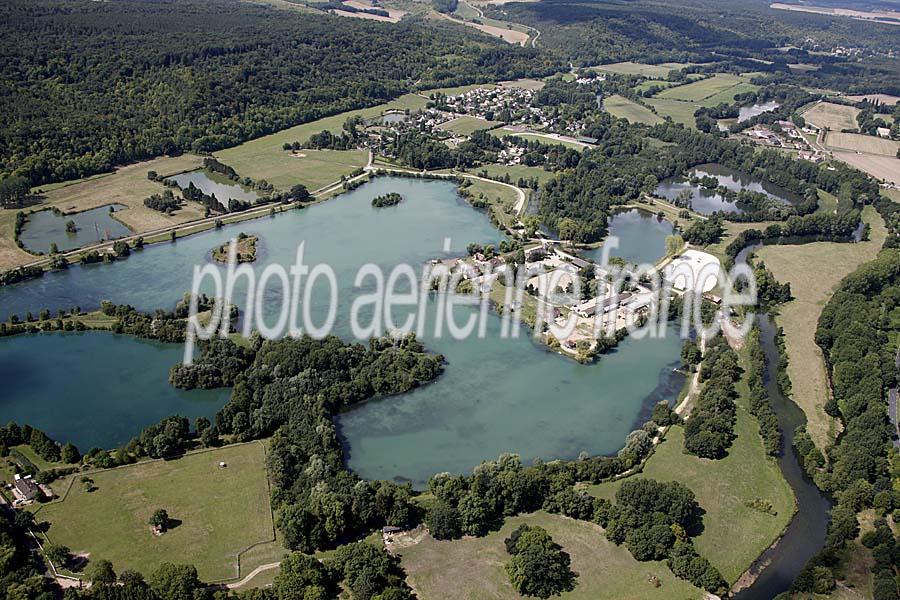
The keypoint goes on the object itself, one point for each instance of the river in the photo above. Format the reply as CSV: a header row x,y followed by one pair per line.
x,y
778,566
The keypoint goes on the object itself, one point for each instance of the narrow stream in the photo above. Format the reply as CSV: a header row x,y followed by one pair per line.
x,y
805,535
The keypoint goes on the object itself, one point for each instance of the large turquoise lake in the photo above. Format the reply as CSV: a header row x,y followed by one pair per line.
x,y
496,395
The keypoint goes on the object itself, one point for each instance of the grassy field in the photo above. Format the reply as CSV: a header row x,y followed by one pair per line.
x,y
219,512
680,112
703,89
474,567
312,168
646,85
867,144
659,71
467,125
734,534
835,117
501,198
523,84
127,185
624,108
814,271
264,158
504,131
515,172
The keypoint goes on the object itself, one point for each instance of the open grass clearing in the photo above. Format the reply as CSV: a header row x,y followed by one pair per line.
x,y
508,32
703,89
814,272
220,512
524,84
734,534
283,169
474,568
516,172
467,125
659,71
619,106
622,107
727,96
678,111
500,198
867,144
836,117
544,138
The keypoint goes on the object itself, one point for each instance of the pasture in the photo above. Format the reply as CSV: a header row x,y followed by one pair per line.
x,y
680,112
474,567
283,169
734,534
811,288
217,513
698,91
619,106
836,117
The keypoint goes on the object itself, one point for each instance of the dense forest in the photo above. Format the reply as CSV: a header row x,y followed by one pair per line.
x,y
89,85
699,31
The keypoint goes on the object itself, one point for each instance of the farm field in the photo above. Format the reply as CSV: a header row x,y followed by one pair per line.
x,y
524,84
705,88
312,168
811,289
734,534
509,33
619,106
659,71
474,567
466,125
878,166
264,158
867,144
218,512
127,185
835,117
680,112
646,85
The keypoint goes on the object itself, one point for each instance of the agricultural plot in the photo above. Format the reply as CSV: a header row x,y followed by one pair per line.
x,y
619,106
312,168
867,144
474,567
217,513
882,167
680,112
705,88
835,117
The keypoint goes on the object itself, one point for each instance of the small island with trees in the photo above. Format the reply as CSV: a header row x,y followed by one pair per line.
x,y
246,249
391,199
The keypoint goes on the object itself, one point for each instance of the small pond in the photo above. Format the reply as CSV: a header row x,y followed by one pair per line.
x,y
748,112
641,236
707,201
215,184
46,227
393,117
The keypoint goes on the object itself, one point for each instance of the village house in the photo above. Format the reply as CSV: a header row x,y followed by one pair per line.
x,y
25,489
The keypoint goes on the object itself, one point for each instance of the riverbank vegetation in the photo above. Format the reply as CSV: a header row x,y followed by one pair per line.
x,y
245,249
